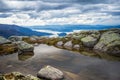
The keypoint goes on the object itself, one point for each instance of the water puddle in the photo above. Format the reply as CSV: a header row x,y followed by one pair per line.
x,y
78,66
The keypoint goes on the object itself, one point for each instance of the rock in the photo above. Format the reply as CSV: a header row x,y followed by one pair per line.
x,y
8,48
109,43
59,44
34,38
35,44
1,77
30,77
68,45
76,47
51,73
15,38
24,47
14,76
4,40
17,76
89,41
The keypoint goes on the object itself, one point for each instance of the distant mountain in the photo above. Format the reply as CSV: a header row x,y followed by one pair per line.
x,y
9,30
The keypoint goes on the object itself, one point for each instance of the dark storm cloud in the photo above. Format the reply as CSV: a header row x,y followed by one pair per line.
x,y
84,1
60,4
3,7
40,5
4,15
62,9
113,13
50,6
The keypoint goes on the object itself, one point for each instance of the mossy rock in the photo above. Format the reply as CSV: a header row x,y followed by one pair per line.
x,y
109,43
89,41
30,77
8,48
1,77
17,76
28,40
14,76
52,41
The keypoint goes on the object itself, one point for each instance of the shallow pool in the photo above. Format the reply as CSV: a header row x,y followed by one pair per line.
x,y
87,68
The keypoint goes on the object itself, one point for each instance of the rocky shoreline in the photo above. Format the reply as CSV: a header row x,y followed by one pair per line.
x,y
105,41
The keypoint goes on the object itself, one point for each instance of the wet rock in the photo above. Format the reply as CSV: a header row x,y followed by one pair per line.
x,y
51,73
59,44
109,43
25,47
68,45
4,40
89,41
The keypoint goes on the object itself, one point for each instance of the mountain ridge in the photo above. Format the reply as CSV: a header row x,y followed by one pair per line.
x,y
10,30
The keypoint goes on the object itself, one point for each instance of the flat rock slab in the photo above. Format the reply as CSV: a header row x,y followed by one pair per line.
x,y
50,73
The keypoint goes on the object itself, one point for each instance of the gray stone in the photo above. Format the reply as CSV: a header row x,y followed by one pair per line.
x,y
24,47
4,40
59,44
68,45
76,47
89,41
51,73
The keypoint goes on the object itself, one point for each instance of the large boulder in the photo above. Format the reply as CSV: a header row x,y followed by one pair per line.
x,y
68,45
4,40
109,42
50,73
24,47
89,41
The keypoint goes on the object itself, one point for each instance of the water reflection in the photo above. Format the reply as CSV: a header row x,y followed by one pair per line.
x,y
25,56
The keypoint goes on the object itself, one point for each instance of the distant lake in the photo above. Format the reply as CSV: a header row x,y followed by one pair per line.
x,y
61,30
87,68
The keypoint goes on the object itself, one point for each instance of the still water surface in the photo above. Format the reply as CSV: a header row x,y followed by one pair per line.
x,y
85,67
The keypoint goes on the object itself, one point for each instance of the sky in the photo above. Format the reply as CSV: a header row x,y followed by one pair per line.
x,y
60,12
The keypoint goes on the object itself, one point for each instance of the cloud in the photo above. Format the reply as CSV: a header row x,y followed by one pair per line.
x,y
59,12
